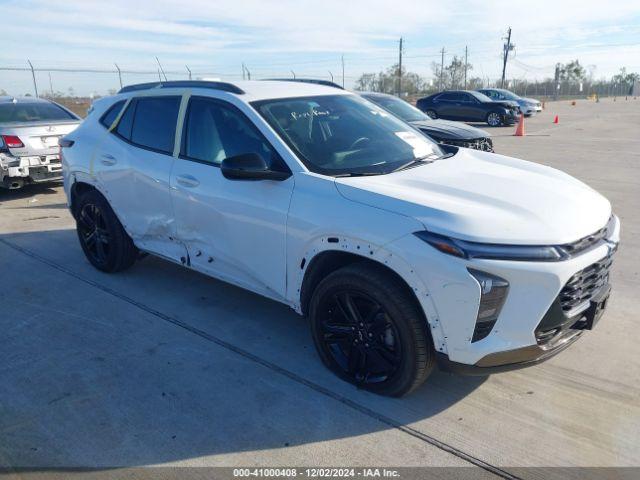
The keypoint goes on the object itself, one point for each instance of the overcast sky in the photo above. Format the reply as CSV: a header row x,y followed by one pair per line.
x,y
214,37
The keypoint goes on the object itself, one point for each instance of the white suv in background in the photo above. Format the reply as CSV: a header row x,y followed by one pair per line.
x,y
402,253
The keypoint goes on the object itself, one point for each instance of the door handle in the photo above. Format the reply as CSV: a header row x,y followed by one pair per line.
x,y
187,181
107,159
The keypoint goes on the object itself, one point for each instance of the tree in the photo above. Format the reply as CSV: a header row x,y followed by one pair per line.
x,y
387,81
572,72
625,78
2,92
453,74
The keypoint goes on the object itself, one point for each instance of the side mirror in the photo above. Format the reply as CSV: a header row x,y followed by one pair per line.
x,y
250,166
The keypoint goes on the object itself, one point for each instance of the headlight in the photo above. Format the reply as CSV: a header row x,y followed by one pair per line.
x,y
492,251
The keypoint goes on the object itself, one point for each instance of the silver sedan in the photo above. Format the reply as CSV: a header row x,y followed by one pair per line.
x,y
29,132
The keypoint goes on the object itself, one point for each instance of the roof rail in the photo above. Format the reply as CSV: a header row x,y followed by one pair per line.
x,y
224,86
315,81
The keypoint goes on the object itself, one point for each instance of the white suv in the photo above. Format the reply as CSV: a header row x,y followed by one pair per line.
x,y
402,253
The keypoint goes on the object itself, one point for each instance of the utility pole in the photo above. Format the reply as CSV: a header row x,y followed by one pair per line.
x,y
466,64
119,74
557,82
188,70
50,85
243,74
342,71
33,74
400,69
248,73
507,47
441,69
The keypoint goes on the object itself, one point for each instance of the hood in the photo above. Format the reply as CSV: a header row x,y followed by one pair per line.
x,y
531,100
489,198
443,129
507,103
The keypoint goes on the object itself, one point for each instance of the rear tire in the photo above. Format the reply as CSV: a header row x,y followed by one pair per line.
x,y
370,331
432,114
102,237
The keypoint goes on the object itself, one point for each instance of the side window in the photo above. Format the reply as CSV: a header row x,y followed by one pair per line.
x,y
214,131
154,124
110,115
126,121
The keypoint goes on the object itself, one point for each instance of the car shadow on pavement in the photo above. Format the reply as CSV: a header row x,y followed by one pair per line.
x,y
29,191
161,364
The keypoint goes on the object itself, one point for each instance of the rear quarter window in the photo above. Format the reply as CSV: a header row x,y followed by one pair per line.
x,y
154,123
110,115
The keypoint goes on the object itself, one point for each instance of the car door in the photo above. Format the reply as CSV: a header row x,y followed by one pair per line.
x,y
446,107
470,108
233,229
134,165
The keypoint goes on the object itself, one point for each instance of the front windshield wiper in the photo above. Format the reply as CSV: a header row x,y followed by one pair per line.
x,y
425,159
357,174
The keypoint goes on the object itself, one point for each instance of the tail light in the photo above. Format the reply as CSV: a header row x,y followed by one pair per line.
x,y
11,141
64,143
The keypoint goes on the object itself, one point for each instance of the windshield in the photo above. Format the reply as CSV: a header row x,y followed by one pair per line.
x,y
480,96
345,134
399,108
508,95
33,112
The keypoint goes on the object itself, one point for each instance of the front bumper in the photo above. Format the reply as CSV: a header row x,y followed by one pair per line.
x,y
528,110
484,144
527,331
505,361
511,117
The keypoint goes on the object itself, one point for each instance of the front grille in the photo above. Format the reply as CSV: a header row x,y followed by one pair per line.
x,y
583,285
485,144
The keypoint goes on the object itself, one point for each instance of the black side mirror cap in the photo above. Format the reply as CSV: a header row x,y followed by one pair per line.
x,y
250,166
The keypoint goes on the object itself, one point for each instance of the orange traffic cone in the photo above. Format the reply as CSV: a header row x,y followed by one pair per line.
x,y
556,120
520,127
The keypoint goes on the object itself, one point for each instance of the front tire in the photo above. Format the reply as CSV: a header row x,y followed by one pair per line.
x,y
494,119
370,331
102,238
432,114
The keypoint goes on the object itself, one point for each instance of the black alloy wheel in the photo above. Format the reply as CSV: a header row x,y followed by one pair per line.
x,y
102,237
369,329
359,336
94,234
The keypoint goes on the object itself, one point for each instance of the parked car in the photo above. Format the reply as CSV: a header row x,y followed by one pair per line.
x,y
442,131
528,106
29,132
401,252
469,106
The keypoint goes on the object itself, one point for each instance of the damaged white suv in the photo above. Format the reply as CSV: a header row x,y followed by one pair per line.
x,y
402,253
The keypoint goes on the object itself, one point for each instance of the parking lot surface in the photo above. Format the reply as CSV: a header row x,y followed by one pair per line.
x,y
163,366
